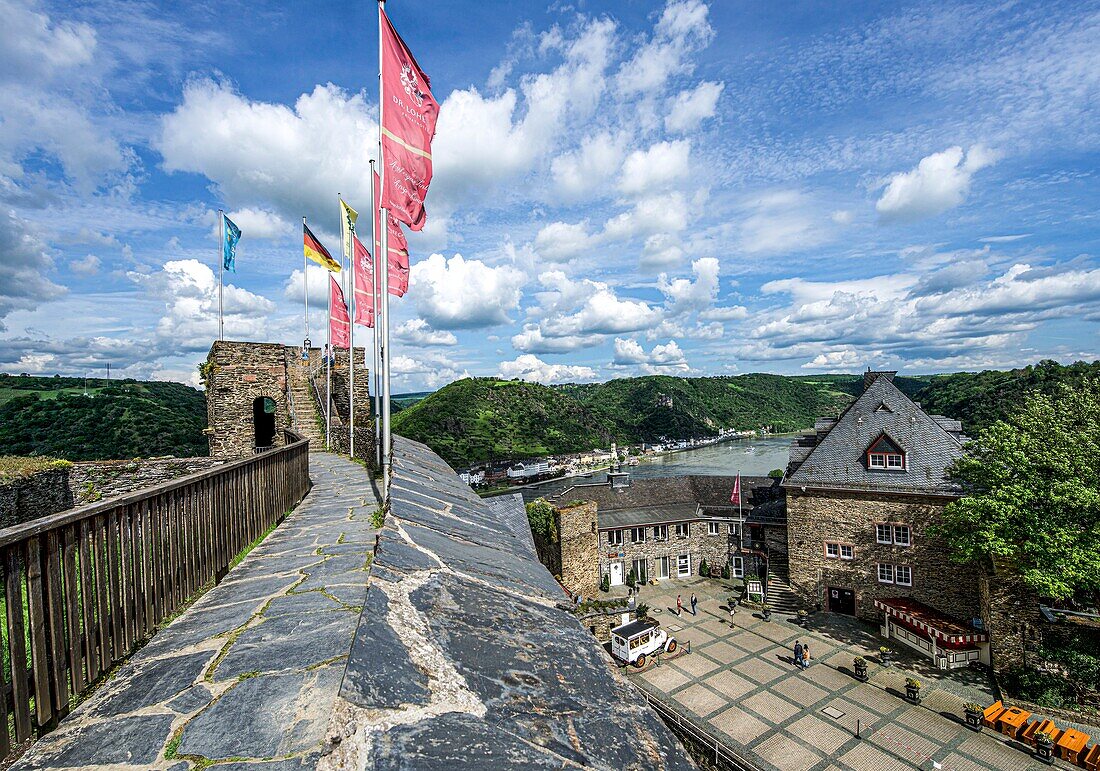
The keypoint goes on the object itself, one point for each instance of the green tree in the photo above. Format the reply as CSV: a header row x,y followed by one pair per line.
x,y
1032,498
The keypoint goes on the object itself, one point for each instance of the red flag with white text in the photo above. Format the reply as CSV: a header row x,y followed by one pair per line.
x,y
339,325
364,283
397,246
735,496
409,113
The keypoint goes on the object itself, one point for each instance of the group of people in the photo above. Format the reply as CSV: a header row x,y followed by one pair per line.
x,y
801,654
680,605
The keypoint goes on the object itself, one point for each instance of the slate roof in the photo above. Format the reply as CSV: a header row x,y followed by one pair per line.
x,y
836,458
465,656
678,499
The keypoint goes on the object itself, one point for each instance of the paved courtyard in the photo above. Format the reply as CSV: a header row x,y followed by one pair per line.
x,y
739,681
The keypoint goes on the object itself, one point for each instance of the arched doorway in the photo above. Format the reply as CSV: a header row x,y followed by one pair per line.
x,y
263,420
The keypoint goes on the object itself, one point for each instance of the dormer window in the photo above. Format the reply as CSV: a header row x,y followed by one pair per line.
x,y
884,454
882,407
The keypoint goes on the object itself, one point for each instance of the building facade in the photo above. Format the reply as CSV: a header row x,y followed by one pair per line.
x,y
657,529
862,492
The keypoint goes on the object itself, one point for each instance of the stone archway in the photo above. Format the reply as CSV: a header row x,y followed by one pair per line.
x,y
263,421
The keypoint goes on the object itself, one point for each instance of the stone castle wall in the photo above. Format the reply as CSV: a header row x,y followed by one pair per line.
x,y
243,372
579,548
99,480
1010,611
816,517
36,495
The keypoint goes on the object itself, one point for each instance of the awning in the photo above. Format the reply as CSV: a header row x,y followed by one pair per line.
x,y
930,621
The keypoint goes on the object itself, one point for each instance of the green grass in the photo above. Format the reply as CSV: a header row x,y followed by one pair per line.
x,y
17,467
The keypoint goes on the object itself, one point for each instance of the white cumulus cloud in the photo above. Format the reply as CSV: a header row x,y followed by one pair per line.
x,y
940,181
690,108
464,294
531,368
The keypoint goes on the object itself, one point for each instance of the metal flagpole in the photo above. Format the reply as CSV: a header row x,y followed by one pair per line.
x,y
351,337
328,368
383,287
221,280
376,239
305,280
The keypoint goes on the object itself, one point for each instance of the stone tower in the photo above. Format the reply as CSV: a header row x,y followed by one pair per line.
x,y
246,397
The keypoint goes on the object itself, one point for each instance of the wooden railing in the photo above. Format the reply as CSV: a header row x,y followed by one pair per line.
x,y
84,587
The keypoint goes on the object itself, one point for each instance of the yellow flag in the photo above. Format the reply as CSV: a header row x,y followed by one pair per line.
x,y
347,227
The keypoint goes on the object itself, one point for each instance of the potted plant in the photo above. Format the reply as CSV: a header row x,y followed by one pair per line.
x,y
605,583
912,690
704,568
631,579
766,611
974,713
1044,747
726,572
802,615
643,611
860,665
884,652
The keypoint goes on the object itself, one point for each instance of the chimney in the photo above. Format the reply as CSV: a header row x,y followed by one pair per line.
x,y
870,377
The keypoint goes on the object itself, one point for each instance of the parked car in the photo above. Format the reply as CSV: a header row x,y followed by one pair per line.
x,y
634,641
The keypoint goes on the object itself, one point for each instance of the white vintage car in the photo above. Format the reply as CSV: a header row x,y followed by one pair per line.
x,y
634,641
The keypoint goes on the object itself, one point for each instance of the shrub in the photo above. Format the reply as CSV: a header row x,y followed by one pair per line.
x,y
642,610
704,569
859,661
912,682
973,706
605,583
725,571
631,579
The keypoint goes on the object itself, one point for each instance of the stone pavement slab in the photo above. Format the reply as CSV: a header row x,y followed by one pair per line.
x,y
249,672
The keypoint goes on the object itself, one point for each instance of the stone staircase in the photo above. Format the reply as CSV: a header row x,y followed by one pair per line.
x,y
781,598
307,416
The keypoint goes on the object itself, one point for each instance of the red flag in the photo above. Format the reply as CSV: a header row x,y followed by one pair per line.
x,y
364,283
398,282
409,113
735,496
398,247
339,326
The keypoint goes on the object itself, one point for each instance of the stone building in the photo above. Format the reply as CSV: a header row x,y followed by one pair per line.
x,y
861,493
255,390
665,528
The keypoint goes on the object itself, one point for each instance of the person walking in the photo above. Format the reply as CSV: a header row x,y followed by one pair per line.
x,y
799,651
679,605
694,604
806,656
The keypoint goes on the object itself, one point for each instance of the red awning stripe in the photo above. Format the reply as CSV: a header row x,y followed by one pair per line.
x,y
948,637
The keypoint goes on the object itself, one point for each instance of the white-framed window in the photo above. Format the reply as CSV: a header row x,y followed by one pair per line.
x,y
876,460
660,533
903,536
903,575
714,528
662,567
885,573
683,565
682,530
733,528
614,537
637,535
847,551
884,533
895,461
737,567
832,550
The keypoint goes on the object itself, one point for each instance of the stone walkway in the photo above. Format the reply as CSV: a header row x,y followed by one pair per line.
x,y
249,673
739,682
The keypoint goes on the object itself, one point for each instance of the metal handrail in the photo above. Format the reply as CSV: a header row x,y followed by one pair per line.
x,y
724,756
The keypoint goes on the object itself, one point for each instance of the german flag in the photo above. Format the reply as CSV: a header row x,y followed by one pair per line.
x,y
316,252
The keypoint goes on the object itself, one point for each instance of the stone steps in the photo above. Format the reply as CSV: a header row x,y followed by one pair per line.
x,y
781,597
306,421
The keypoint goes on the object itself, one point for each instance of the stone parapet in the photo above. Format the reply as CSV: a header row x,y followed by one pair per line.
x,y
35,495
98,480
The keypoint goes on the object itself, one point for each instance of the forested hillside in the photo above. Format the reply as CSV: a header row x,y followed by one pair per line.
x,y
648,408
118,419
980,398
479,419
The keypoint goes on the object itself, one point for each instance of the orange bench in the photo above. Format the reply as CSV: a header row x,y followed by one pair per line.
x,y
1091,759
1047,726
992,713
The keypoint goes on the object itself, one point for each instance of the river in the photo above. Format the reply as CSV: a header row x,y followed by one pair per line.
x,y
748,457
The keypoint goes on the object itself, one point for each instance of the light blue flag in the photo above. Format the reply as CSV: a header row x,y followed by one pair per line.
x,y
231,234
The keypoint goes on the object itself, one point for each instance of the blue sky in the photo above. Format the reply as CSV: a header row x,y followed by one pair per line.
x,y
621,188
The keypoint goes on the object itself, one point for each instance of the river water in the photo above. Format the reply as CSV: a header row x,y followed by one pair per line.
x,y
748,457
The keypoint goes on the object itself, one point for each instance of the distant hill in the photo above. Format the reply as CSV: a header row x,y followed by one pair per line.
x,y
118,419
478,419
980,398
